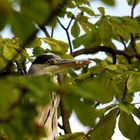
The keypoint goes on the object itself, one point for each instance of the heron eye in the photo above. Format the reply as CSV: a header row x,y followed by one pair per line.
x,y
51,61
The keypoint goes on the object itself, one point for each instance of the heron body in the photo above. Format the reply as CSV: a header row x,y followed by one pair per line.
x,y
46,64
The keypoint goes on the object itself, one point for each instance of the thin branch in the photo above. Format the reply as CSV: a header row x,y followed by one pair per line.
x,y
43,28
69,40
65,115
125,92
52,31
70,22
133,7
19,69
67,33
123,43
133,42
112,51
65,118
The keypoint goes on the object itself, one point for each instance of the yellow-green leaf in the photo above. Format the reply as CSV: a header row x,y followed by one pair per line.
x,y
73,136
56,45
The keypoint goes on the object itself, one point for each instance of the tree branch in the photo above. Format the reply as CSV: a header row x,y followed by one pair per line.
x,y
133,42
43,28
65,118
133,7
108,50
67,32
65,115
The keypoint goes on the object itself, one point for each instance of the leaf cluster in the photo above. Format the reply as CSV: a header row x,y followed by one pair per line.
x,y
99,94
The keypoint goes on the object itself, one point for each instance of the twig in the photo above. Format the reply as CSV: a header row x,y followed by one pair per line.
x,y
19,69
67,32
133,42
65,118
125,92
107,49
133,7
52,31
70,22
43,28
65,115
123,43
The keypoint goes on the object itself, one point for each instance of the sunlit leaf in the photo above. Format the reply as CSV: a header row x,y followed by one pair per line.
x,y
109,2
73,136
87,10
35,43
57,45
13,52
105,30
133,83
38,51
127,108
101,10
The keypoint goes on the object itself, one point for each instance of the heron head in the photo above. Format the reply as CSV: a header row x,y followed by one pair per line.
x,y
49,63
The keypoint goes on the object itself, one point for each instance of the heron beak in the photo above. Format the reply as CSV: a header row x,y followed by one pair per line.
x,y
57,65
70,63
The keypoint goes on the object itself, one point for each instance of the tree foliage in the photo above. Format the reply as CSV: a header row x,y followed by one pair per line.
x,y
98,94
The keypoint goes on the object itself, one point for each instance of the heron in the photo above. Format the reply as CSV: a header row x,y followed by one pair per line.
x,y
50,64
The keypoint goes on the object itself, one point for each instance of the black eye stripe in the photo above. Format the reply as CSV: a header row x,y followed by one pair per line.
x,y
42,59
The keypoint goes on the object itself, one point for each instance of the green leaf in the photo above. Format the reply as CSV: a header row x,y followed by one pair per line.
x,y
56,45
127,108
22,27
75,30
87,10
128,126
38,51
136,112
35,43
73,136
8,95
109,2
119,28
14,53
133,83
105,128
5,13
132,26
101,10
3,62
132,2
105,30
92,90
90,39
82,108
36,10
